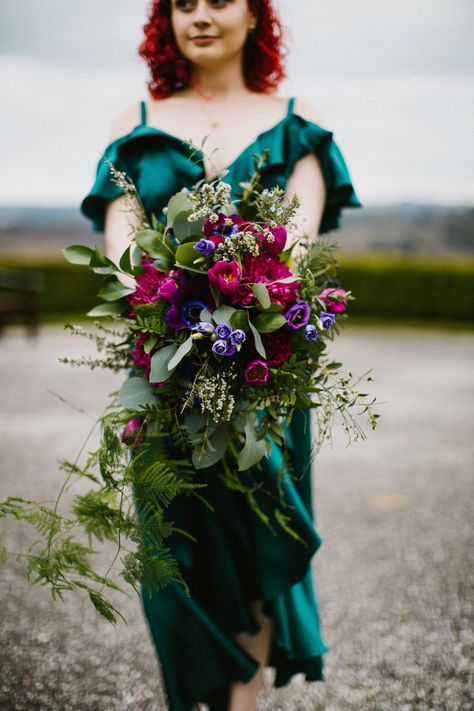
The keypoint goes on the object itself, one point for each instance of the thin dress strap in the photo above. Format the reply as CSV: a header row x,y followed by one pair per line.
x,y
143,113
291,102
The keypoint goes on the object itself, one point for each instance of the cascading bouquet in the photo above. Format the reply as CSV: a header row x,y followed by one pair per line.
x,y
223,334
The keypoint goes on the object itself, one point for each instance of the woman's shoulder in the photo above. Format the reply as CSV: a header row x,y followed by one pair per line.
x,y
124,121
308,110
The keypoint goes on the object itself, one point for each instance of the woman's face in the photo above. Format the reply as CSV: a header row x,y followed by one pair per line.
x,y
223,23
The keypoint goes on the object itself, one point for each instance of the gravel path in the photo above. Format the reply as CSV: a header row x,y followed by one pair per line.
x,y
394,576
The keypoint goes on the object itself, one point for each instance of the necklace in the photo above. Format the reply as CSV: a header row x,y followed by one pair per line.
x,y
212,120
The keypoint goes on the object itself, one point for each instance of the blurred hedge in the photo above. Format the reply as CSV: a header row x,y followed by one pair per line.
x,y
384,286
410,287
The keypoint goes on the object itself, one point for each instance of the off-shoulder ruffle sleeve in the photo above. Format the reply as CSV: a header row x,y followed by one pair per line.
x,y
308,137
104,189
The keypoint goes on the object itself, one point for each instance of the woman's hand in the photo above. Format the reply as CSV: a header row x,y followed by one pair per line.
x,y
118,229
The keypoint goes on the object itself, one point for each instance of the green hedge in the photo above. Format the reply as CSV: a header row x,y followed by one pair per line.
x,y
410,287
384,286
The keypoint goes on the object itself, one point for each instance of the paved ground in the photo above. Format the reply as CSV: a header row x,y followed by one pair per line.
x,y
395,573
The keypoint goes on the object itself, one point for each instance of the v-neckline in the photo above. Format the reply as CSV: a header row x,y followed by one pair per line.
x,y
182,142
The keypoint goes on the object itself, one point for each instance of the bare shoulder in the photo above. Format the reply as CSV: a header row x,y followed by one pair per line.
x,y
307,110
124,121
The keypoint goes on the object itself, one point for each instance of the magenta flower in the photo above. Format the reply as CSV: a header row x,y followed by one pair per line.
x,y
225,276
149,283
256,372
139,356
335,300
276,247
265,269
131,433
277,346
167,289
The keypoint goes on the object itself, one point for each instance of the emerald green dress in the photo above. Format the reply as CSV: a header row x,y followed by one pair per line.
x,y
236,557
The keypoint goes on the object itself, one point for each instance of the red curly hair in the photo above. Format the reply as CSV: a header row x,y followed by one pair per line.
x,y
263,53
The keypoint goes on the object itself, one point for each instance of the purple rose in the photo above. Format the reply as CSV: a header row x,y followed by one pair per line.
x,y
297,315
224,348
311,332
238,336
256,372
205,246
219,347
327,320
223,330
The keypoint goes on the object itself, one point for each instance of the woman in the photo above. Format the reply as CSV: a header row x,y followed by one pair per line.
x,y
215,67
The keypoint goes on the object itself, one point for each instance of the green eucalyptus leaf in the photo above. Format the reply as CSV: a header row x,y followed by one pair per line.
x,y
189,269
114,289
287,280
253,449
214,450
159,364
223,314
104,271
151,242
258,341
125,263
205,315
239,320
182,351
286,255
101,260
112,309
183,229
177,204
136,393
78,254
150,343
261,293
163,263
136,258
186,254
267,323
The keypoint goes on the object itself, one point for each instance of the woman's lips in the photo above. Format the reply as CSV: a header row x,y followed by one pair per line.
x,y
203,40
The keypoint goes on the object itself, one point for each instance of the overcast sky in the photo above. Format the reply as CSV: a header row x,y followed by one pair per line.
x,y
394,82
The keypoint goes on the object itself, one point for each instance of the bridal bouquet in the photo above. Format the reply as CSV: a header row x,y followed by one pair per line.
x,y
222,334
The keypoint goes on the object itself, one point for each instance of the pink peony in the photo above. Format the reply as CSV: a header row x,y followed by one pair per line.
x,y
225,276
256,372
149,283
265,269
335,300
